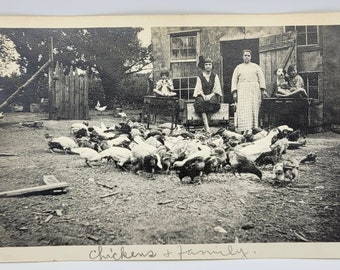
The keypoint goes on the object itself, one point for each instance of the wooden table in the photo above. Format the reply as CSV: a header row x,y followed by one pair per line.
x,y
285,111
166,106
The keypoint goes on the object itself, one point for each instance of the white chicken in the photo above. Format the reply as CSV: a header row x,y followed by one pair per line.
x,y
119,154
253,150
61,143
88,154
100,108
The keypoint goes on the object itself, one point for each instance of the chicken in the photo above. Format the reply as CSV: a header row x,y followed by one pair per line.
x,y
144,156
242,164
119,141
294,135
149,163
212,165
221,156
119,155
80,129
272,157
85,142
100,108
256,148
279,173
61,143
88,154
310,158
291,168
191,168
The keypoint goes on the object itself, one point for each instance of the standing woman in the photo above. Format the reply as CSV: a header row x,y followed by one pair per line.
x,y
207,93
247,87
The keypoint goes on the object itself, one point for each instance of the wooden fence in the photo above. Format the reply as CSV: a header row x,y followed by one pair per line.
x,y
68,94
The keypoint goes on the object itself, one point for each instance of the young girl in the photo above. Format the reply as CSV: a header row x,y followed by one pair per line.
x,y
295,85
164,87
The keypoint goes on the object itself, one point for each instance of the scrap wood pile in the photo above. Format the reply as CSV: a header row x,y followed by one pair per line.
x,y
132,147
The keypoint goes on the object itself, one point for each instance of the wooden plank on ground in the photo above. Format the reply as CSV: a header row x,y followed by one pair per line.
x,y
26,191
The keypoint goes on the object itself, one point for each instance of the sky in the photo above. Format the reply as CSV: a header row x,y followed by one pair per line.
x,y
145,36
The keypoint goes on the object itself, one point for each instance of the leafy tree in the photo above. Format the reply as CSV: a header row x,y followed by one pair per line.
x,y
112,53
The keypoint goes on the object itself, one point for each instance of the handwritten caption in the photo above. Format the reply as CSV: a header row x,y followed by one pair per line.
x,y
105,253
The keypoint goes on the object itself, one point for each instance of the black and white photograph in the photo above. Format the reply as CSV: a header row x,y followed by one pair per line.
x,y
192,138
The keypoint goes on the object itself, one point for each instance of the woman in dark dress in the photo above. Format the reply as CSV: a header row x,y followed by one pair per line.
x,y
207,93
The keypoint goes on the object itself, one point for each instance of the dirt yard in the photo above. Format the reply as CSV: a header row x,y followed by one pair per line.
x,y
163,210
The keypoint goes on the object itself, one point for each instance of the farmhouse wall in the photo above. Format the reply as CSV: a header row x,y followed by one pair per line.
x,y
331,65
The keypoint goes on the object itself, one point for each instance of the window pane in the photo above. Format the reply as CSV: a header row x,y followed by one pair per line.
x,y
313,79
192,82
176,83
191,94
301,29
184,94
192,42
301,39
313,92
312,38
191,53
312,28
184,83
175,53
290,28
183,54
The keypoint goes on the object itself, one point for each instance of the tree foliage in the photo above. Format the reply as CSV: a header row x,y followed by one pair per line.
x,y
111,53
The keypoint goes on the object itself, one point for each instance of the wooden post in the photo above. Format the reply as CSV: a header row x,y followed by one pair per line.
x,y
72,94
67,101
81,96
76,96
50,80
86,95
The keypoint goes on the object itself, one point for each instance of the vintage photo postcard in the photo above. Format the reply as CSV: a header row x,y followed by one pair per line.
x,y
174,137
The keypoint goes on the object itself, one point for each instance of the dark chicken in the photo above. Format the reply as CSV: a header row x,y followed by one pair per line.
x,y
242,164
191,168
267,158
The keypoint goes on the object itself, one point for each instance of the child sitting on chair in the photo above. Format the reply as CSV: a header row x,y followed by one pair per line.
x,y
164,87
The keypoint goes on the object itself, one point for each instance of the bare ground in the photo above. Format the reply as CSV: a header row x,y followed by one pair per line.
x,y
160,211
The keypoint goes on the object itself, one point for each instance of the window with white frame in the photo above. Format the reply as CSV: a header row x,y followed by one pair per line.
x,y
185,87
183,47
306,34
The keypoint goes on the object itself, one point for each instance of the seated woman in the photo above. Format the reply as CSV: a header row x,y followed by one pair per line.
x,y
164,87
292,86
207,92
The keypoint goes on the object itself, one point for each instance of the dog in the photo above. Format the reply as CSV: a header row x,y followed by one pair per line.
x,y
282,86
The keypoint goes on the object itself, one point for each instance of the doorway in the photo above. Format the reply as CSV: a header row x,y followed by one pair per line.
x,y
231,52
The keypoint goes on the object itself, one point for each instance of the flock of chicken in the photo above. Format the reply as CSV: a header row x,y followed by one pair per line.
x,y
192,155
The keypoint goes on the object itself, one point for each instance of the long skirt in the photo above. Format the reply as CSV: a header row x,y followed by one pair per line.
x,y
248,106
